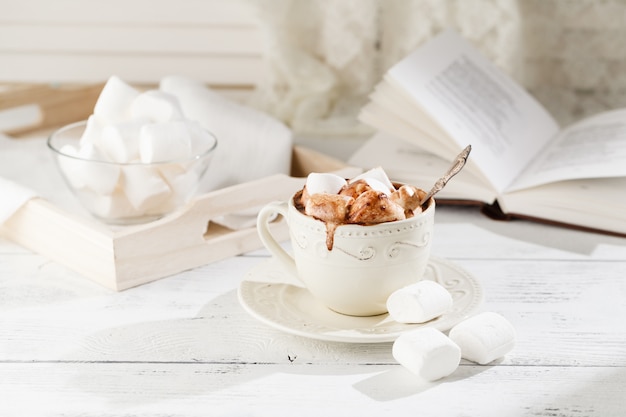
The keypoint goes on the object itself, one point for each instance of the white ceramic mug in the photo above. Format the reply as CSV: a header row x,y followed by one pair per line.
x,y
366,263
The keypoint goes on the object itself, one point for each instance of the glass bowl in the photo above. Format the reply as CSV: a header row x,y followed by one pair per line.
x,y
131,192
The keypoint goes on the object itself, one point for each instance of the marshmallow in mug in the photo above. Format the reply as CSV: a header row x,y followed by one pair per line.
x,y
328,183
324,183
367,199
375,176
484,337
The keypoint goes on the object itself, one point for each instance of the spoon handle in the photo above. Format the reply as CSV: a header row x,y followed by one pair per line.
x,y
459,163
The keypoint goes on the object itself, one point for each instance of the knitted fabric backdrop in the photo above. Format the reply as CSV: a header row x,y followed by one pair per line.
x,y
323,57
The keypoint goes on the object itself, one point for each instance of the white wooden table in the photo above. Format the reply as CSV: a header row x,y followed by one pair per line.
x,y
183,345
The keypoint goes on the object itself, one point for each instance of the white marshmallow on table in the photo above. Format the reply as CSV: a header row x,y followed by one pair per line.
x,y
484,337
327,183
168,141
251,144
144,187
156,106
114,102
419,302
377,174
427,352
120,141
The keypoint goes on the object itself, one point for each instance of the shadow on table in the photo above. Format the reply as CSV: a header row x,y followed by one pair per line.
x,y
511,390
219,348
157,363
398,382
546,235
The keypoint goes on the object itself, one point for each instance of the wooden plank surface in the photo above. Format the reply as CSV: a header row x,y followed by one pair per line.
x,y
558,324
226,389
213,69
206,12
176,40
141,41
37,109
56,105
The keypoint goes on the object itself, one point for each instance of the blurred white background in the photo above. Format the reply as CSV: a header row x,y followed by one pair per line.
x,y
314,62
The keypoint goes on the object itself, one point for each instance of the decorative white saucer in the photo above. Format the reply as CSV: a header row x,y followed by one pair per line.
x,y
277,299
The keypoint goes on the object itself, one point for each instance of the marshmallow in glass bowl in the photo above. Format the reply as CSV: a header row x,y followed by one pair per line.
x,y
136,158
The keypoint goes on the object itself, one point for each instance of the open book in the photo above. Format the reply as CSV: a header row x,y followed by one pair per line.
x,y
446,95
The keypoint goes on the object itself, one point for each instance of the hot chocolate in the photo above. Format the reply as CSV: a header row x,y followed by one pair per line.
x,y
367,199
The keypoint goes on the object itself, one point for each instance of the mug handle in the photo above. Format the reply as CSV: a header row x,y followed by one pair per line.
x,y
267,214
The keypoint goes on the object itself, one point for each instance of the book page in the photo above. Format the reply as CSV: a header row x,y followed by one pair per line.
x,y
376,113
407,163
390,101
592,148
477,104
561,202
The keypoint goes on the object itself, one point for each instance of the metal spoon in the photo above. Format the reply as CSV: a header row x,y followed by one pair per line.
x,y
459,163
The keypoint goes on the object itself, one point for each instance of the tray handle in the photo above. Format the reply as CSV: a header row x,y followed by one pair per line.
x,y
188,226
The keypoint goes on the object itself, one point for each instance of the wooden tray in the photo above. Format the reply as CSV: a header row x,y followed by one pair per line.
x,y
133,255
41,106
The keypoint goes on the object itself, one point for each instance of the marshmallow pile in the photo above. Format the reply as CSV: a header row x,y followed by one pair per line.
x,y
367,199
138,156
